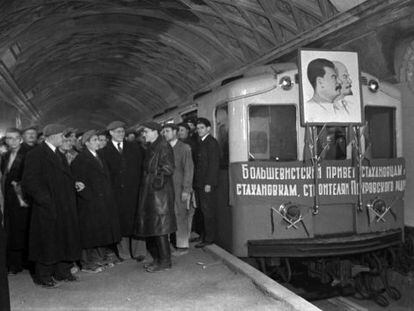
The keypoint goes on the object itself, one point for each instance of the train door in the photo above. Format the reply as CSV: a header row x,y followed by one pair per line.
x,y
221,128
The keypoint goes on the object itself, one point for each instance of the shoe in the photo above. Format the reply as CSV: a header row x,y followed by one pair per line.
x,y
140,258
92,270
203,244
159,268
180,251
117,261
47,283
149,264
195,239
74,269
70,278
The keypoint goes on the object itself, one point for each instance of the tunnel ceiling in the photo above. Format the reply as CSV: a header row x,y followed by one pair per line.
x,y
87,62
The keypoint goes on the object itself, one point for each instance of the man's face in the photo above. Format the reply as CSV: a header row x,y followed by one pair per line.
x,y
150,135
102,141
93,143
57,140
130,137
30,137
169,134
344,79
182,132
117,134
66,144
72,138
202,130
329,88
191,125
13,140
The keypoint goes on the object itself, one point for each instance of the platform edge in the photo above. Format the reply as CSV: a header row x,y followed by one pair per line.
x,y
262,281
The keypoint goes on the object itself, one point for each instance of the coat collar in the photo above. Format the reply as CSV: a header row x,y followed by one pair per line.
x,y
94,161
53,158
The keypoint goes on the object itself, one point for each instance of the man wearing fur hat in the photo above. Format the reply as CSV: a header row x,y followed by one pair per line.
x,y
54,241
124,160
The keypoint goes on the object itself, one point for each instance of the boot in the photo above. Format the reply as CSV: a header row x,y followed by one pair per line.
x,y
152,247
164,252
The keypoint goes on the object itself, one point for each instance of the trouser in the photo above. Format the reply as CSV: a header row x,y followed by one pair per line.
x,y
4,283
207,201
184,218
16,259
59,270
92,257
159,248
131,248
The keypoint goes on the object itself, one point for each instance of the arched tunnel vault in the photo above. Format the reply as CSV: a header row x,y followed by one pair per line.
x,y
87,62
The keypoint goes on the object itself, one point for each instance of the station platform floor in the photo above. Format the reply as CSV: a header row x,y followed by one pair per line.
x,y
189,285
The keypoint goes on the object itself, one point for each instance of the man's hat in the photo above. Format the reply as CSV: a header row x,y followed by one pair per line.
x,y
102,132
32,127
87,135
171,126
152,125
114,125
52,129
183,124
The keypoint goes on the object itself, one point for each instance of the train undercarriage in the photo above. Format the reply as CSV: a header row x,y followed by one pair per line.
x,y
358,267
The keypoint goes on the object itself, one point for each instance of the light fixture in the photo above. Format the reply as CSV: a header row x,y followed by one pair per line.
x,y
286,83
378,205
290,211
373,86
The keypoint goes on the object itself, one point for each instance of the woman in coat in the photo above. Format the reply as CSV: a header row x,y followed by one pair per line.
x,y
98,216
155,219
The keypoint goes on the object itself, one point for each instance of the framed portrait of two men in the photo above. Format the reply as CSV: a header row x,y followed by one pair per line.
x,y
330,91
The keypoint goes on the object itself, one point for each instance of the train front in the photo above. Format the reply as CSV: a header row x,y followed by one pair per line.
x,y
323,192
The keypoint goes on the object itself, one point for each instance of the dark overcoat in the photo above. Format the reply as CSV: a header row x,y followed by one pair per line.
x,y
16,217
207,165
125,172
98,215
4,283
156,215
54,226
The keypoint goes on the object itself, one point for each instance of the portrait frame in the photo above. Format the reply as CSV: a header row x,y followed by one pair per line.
x,y
324,103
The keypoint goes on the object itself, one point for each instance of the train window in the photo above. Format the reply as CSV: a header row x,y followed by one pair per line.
x,y
332,142
222,134
380,133
272,133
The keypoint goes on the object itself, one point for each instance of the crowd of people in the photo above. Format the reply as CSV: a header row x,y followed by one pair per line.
x,y
92,200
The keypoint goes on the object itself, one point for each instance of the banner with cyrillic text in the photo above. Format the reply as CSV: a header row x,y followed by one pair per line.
x,y
262,182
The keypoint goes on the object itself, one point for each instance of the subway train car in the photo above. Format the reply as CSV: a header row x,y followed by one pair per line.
x,y
277,203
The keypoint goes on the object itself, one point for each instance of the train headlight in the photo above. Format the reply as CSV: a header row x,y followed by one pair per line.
x,y
378,205
286,83
290,211
373,86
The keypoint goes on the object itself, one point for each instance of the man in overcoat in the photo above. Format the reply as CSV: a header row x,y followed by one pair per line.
x,y
98,215
206,179
16,209
54,241
183,183
124,160
155,219
4,283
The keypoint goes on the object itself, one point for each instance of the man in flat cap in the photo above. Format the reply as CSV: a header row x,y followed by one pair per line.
x,y
155,219
124,160
98,214
16,209
54,241
183,183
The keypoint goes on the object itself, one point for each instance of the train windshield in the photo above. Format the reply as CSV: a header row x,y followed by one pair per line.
x,y
272,132
379,134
